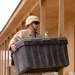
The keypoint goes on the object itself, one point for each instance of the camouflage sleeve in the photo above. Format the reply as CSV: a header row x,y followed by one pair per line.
x,y
16,37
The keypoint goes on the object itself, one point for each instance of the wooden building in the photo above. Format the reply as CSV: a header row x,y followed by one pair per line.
x,y
57,18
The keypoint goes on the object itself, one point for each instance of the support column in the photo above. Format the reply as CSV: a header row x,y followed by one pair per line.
x,y
61,19
8,72
61,24
8,58
42,16
5,58
0,59
74,48
42,4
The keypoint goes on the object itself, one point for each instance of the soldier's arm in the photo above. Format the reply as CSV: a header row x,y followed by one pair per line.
x,y
15,38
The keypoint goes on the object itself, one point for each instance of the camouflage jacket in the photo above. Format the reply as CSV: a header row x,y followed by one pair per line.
x,y
25,33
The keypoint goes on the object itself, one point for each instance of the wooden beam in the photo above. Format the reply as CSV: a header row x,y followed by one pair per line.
x,y
42,16
0,60
74,48
61,19
8,57
61,24
5,57
33,7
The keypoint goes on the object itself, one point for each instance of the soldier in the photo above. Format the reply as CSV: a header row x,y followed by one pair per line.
x,y
32,22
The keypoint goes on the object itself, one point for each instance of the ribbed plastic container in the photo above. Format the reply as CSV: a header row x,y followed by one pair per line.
x,y
41,55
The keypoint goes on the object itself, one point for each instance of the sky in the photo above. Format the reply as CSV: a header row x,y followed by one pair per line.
x,y
7,7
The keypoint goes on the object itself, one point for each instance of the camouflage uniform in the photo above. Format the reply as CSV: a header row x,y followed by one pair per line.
x,y
24,34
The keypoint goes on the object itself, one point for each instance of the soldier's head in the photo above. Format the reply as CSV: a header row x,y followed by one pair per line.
x,y
32,21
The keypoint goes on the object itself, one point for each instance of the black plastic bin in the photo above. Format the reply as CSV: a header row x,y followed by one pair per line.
x,y
40,55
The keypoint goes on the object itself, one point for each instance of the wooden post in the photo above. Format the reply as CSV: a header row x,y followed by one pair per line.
x,y
8,57
74,48
61,24
61,19
42,4
42,16
0,59
5,57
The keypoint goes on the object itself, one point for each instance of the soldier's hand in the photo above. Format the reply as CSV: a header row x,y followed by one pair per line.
x,y
13,47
